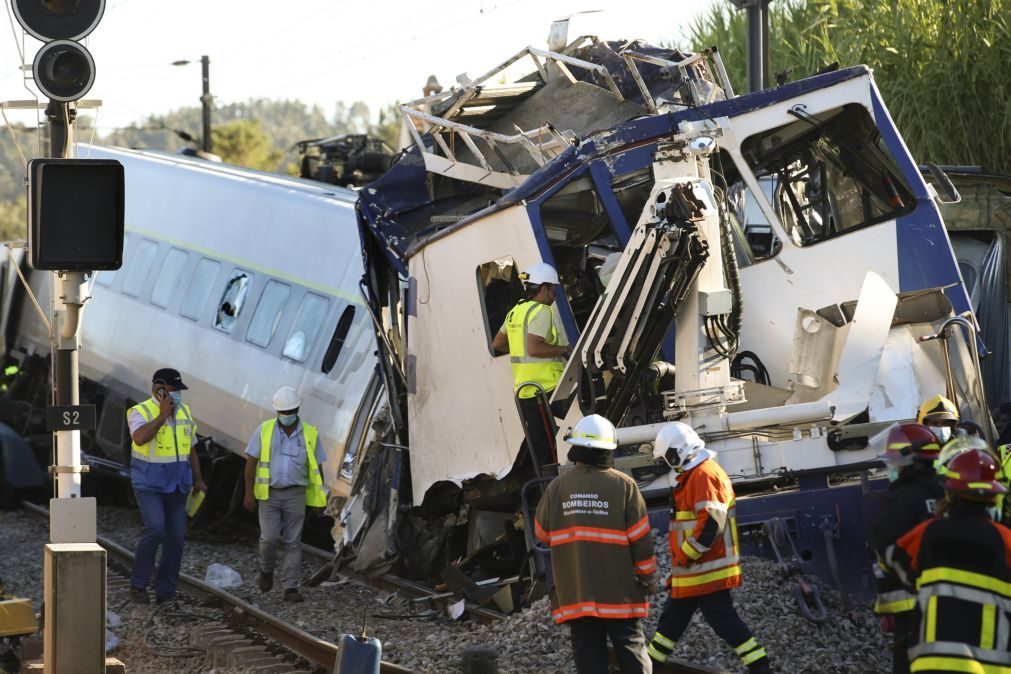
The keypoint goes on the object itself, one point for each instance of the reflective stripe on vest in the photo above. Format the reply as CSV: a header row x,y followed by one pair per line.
x,y
543,371
896,601
978,600
165,446
315,495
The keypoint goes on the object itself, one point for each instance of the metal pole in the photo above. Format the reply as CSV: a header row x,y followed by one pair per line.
x,y
755,45
206,100
72,294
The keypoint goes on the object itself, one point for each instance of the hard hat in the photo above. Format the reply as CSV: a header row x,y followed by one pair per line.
x,y
937,408
287,399
593,431
899,444
956,447
677,443
542,272
973,473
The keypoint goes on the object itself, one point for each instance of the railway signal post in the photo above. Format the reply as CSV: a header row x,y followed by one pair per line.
x,y
75,213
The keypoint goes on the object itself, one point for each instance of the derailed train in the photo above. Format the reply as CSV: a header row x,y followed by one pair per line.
x,y
770,268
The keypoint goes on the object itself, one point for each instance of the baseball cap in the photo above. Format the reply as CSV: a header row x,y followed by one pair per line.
x,y
169,377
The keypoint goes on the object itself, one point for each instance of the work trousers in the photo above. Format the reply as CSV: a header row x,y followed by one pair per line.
x,y
589,645
164,517
718,610
904,637
538,426
281,518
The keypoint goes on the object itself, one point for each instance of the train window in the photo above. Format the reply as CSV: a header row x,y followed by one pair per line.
x,y
831,173
500,289
168,279
107,278
200,288
308,321
140,265
232,300
333,351
268,313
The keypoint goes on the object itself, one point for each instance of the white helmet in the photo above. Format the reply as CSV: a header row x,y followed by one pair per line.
x,y
677,444
593,431
542,272
286,399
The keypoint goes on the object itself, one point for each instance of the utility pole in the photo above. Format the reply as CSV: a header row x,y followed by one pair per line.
x,y
206,100
758,42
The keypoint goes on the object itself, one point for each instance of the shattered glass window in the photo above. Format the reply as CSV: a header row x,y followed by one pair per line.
x,y
232,301
500,290
829,174
754,237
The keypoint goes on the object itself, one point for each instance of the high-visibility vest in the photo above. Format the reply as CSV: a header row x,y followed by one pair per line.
x,y
703,493
526,368
315,495
165,447
1004,457
959,566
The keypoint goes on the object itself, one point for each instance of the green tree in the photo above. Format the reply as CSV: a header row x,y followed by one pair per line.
x,y
941,65
14,219
245,143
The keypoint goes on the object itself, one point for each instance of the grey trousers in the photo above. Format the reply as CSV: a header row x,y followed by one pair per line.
x,y
281,519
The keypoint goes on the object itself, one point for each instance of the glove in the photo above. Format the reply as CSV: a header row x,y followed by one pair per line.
x,y
887,623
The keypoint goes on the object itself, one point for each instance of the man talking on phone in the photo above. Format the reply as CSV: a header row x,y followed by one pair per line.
x,y
163,468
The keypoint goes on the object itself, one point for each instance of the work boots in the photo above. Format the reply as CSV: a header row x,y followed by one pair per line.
x,y
138,595
265,582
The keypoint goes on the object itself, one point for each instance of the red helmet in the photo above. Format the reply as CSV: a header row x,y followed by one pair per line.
x,y
973,473
901,443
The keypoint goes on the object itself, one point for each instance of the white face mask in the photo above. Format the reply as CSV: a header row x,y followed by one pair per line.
x,y
287,419
892,472
943,433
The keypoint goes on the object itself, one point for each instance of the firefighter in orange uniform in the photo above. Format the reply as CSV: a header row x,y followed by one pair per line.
x,y
959,566
594,520
703,548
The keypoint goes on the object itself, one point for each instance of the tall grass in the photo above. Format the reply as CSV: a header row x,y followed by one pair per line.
x,y
943,66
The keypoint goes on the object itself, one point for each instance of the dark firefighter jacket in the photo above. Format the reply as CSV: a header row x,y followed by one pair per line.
x,y
594,520
911,500
703,533
959,567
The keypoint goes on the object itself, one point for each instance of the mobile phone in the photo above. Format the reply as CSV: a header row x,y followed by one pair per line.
x,y
162,393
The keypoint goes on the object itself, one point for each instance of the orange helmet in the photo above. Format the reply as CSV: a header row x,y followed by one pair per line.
x,y
974,473
901,443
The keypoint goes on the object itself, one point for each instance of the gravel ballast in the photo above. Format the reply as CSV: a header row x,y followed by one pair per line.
x,y
527,642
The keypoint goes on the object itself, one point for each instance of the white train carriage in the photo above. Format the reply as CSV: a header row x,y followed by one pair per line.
x,y
242,280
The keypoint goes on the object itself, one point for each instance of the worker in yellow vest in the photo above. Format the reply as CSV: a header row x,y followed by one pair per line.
x,y
284,474
537,348
163,469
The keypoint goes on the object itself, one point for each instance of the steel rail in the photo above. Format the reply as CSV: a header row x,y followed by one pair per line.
x,y
318,652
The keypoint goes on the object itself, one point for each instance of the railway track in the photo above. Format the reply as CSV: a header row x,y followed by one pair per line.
x,y
319,653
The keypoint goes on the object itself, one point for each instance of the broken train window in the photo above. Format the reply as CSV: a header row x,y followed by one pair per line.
x,y
232,301
829,173
500,290
754,238
583,237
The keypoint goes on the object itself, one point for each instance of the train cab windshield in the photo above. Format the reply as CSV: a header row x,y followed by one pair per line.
x,y
830,173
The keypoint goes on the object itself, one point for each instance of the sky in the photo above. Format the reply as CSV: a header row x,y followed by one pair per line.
x,y
318,51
